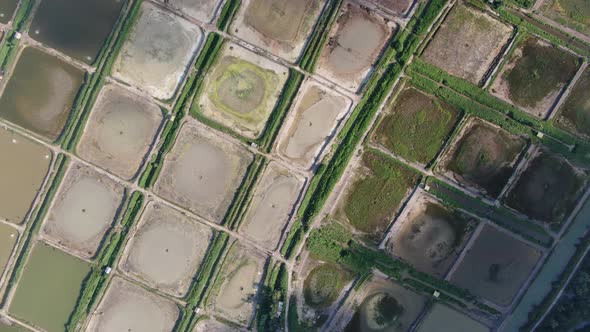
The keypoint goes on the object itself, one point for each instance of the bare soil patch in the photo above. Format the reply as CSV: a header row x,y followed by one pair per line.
x,y
202,10
24,167
236,287
483,156
167,249
396,7
272,205
202,172
121,129
241,90
535,75
84,208
128,307
279,26
548,189
355,42
429,236
496,266
212,325
158,52
467,42
314,118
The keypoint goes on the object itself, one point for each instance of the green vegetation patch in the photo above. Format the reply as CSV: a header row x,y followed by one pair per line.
x,y
575,112
323,284
375,196
571,13
416,126
548,189
537,70
485,156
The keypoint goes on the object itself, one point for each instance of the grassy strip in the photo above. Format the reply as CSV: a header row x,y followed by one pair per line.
x,y
34,224
193,83
19,23
96,281
94,82
227,13
499,215
558,284
566,40
478,102
205,276
280,110
234,214
316,42
274,290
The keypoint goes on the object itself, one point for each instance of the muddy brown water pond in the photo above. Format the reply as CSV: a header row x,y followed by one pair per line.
x,y
40,93
7,326
8,238
7,8
354,44
430,236
84,208
78,28
444,319
48,288
24,167
496,266
120,131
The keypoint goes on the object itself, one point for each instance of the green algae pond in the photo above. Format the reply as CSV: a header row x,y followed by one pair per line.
x,y
40,93
78,28
7,8
48,288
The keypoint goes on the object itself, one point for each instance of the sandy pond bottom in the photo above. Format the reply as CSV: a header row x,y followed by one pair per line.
x,y
120,131
78,28
212,325
429,235
84,208
202,172
24,167
128,307
237,284
315,115
158,51
443,319
8,237
279,26
167,250
272,204
40,93
48,288
496,266
355,42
